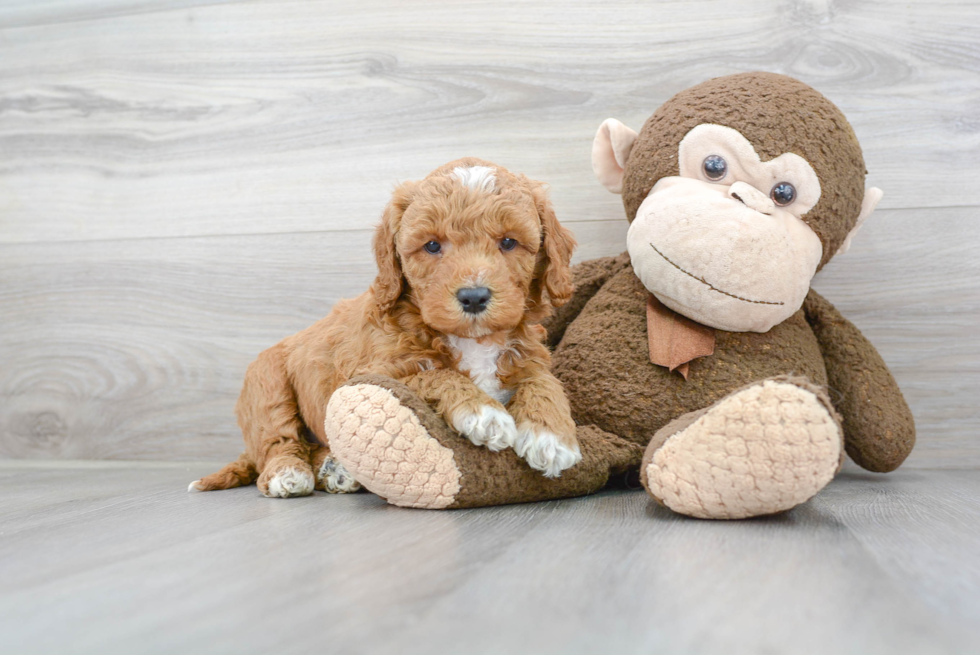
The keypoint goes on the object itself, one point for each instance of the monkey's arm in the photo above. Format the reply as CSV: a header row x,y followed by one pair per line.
x,y
879,431
588,277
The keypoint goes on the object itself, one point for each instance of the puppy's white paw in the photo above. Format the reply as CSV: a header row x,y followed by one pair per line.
x,y
335,478
546,451
290,482
490,427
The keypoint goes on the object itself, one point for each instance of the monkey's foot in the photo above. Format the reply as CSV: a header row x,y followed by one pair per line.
x,y
397,447
761,450
384,445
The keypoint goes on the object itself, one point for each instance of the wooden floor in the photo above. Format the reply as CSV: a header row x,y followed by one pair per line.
x,y
99,558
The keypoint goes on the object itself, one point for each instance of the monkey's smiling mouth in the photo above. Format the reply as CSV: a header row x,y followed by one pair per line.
x,y
709,285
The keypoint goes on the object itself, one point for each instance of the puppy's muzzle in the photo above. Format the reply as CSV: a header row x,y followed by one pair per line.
x,y
473,300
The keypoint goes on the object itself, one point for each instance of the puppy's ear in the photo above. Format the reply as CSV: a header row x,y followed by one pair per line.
x,y
557,245
388,285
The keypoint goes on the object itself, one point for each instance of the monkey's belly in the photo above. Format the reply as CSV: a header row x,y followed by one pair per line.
x,y
604,363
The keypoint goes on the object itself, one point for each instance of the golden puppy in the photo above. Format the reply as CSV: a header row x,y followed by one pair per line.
x,y
469,260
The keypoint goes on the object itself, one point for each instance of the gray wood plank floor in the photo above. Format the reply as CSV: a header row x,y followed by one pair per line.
x,y
102,558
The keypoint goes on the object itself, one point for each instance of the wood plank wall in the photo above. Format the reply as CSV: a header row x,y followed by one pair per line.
x,y
184,182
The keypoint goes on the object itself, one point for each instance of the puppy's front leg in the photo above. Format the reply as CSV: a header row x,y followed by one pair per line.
x,y
466,407
545,429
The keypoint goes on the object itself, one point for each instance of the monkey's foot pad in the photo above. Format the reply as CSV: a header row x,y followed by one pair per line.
x,y
385,447
761,450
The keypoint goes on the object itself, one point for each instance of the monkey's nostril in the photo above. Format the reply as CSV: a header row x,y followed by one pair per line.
x,y
751,197
473,299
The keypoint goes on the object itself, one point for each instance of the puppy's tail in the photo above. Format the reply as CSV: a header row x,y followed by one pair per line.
x,y
238,473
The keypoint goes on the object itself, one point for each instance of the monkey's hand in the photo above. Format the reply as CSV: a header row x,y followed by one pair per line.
x,y
879,431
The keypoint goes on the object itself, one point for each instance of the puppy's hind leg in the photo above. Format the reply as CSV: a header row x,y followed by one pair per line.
x,y
331,476
273,430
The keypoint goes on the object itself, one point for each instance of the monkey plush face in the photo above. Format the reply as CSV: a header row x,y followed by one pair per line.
x,y
729,226
723,242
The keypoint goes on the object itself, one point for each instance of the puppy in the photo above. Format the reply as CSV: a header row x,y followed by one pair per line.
x,y
469,260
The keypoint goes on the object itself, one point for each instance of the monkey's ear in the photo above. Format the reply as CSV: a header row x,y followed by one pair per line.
x,y
610,150
872,196
388,285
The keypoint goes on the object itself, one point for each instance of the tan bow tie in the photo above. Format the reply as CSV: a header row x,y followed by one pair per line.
x,y
675,340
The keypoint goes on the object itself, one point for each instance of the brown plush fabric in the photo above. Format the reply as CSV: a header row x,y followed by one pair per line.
x,y
502,478
588,277
879,431
776,114
604,364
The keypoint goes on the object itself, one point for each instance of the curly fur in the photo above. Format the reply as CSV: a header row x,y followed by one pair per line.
x,y
404,326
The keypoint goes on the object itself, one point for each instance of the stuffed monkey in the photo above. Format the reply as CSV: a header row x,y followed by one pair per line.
x,y
703,348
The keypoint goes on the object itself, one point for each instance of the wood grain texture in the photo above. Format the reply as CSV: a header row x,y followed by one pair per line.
x,y
185,182
133,563
34,13
182,118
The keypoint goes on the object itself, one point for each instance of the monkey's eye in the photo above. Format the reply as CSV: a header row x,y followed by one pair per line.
x,y
508,243
714,167
783,194
432,247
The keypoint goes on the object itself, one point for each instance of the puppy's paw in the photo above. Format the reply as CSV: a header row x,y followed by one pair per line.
x,y
335,478
288,482
490,426
546,451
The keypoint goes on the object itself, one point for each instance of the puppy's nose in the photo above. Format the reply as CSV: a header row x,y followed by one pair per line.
x,y
473,299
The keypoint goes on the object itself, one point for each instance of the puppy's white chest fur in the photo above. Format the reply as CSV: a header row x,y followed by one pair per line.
x,y
480,362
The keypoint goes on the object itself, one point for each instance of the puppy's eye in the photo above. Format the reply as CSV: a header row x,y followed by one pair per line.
x,y
508,243
714,167
432,247
783,194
